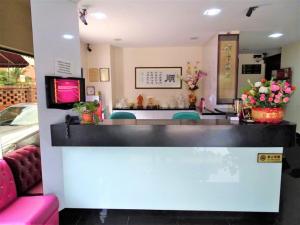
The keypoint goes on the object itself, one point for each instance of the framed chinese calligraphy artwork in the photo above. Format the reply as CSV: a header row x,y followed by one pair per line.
x,y
227,68
158,77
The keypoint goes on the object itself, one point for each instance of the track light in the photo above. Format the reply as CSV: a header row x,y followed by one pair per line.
x,y
82,16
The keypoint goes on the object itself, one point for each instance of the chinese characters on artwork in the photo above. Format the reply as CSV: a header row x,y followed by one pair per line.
x,y
158,77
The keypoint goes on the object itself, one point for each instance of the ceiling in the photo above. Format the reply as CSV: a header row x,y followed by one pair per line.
x,y
143,23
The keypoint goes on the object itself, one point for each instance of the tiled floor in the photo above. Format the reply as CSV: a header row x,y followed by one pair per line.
x,y
141,217
289,212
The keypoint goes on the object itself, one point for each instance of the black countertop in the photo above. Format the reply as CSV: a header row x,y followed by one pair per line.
x,y
175,133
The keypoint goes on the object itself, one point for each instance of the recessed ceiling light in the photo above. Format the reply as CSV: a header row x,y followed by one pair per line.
x,y
212,12
275,35
99,15
118,39
68,36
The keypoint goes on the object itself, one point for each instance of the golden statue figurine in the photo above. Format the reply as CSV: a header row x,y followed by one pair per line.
x,y
140,100
192,100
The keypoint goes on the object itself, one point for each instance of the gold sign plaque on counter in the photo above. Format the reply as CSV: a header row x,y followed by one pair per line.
x,y
269,157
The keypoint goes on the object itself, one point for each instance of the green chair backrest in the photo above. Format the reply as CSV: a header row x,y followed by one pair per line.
x,y
186,116
122,115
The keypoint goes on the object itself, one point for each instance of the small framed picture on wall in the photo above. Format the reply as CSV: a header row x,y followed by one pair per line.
x,y
104,75
90,90
94,75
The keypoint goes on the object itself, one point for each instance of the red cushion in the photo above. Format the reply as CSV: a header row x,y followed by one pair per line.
x,y
25,164
30,210
7,185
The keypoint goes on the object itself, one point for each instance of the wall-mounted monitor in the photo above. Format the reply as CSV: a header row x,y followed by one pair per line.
x,y
63,92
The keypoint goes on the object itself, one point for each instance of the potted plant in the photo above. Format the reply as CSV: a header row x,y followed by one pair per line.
x,y
192,78
87,111
267,99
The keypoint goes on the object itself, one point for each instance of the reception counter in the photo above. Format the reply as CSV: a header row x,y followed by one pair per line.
x,y
175,133
210,165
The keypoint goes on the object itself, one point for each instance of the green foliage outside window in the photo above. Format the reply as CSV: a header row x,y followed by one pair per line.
x,y
11,76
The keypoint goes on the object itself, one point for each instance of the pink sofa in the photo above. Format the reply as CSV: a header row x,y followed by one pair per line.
x,y
25,164
33,210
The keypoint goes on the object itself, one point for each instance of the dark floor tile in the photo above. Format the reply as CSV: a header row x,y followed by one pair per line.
x,y
202,222
92,217
117,220
152,220
70,216
249,223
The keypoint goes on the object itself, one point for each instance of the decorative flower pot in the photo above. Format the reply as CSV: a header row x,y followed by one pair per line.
x,y
87,118
192,100
267,115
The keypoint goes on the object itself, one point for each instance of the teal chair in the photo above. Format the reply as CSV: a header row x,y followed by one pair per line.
x,y
186,116
122,115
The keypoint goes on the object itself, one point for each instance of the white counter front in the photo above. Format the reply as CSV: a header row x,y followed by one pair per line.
x,y
165,178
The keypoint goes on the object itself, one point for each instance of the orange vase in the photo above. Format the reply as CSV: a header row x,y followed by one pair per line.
x,y
87,117
267,115
192,100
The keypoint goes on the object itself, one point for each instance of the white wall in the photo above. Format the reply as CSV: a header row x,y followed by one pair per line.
x,y
242,78
50,20
127,59
290,56
210,52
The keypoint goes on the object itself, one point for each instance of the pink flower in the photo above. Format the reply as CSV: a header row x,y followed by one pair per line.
x,y
286,84
272,95
286,99
270,99
244,97
262,97
274,87
252,101
201,74
288,90
279,95
277,100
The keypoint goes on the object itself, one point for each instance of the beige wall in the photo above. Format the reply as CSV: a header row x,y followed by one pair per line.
x,y
99,57
290,58
117,68
84,57
128,58
15,25
122,63
242,78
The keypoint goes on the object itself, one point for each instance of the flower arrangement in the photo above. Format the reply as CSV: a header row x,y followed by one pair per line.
x,y
268,94
193,75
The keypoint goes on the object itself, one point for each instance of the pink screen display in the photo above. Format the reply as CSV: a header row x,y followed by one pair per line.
x,y
67,91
